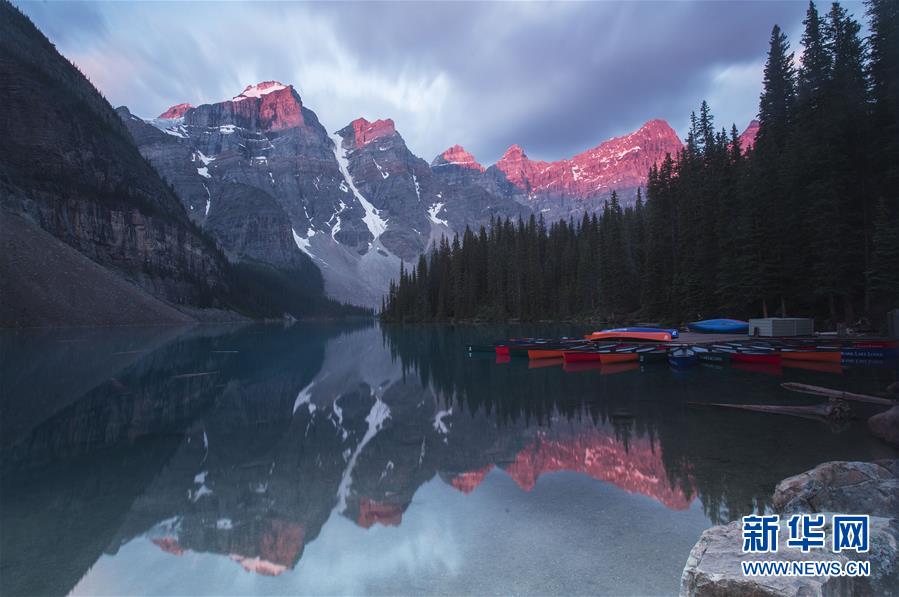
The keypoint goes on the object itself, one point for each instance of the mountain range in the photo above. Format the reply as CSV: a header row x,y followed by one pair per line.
x,y
358,201
197,206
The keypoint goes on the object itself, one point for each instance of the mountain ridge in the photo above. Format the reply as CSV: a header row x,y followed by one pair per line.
x,y
358,200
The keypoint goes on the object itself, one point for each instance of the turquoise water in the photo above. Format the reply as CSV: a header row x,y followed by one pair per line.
x,y
348,459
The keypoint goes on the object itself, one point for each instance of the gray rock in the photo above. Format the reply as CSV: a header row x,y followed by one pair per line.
x,y
885,426
713,568
853,487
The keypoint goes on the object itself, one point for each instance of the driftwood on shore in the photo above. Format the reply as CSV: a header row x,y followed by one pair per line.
x,y
840,394
833,410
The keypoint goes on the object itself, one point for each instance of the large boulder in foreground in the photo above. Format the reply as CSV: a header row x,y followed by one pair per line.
x,y
851,487
885,426
713,568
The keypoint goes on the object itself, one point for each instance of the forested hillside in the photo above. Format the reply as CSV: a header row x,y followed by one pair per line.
x,y
91,235
805,222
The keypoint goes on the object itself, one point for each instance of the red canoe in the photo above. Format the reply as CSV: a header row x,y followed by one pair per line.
x,y
769,358
612,335
581,356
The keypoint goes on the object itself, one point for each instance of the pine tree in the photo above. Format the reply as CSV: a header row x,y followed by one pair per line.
x,y
776,101
884,274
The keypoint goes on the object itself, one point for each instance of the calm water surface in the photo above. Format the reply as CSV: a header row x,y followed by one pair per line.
x,y
336,459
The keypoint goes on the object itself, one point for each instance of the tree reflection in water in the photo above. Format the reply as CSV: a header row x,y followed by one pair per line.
x,y
245,442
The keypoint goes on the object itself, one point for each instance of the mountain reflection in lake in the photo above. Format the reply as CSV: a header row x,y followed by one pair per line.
x,y
332,459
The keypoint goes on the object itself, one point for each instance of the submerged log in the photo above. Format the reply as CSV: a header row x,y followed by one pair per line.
x,y
830,393
835,410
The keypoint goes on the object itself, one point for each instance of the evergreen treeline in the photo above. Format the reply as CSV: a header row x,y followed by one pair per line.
x,y
806,222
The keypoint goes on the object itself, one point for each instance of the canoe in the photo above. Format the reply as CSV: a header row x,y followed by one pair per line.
x,y
521,347
869,353
820,356
868,363
594,353
607,358
717,357
653,356
674,333
875,344
546,353
682,357
719,326
762,358
644,336
581,356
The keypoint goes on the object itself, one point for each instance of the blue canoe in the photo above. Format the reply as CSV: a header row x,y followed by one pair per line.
x,y
682,357
719,326
672,331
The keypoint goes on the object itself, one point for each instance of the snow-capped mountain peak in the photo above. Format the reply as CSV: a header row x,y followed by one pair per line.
x,y
259,89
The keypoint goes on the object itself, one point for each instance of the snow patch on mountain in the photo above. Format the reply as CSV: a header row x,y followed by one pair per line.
x,y
303,243
199,155
417,186
376,225
433,211
259,89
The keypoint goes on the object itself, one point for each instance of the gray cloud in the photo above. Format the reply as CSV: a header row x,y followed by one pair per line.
x,y
554,78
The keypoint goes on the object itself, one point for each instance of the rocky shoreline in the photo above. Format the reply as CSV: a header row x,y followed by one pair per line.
x,y
872,488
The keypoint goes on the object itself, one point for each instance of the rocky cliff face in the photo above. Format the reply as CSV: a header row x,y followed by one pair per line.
x,y
471,195
390,182
457,156
263,150
69,165
617,164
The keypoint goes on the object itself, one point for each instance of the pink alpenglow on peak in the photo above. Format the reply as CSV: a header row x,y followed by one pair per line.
x,y
176,111
457,156
260,89
276,106
621,162
747,139
518,168
365,131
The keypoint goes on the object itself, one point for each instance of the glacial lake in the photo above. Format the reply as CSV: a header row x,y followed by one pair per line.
x,y
356,458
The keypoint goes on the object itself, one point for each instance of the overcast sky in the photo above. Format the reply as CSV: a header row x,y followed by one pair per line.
x,y
554,78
